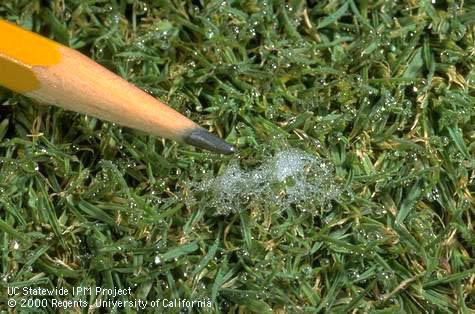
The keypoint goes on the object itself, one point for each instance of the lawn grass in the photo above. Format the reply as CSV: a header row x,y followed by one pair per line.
x,y
383,91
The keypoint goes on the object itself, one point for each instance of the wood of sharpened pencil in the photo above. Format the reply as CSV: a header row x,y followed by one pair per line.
x,y
49,72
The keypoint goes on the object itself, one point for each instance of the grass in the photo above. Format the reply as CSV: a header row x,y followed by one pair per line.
x,y
381,90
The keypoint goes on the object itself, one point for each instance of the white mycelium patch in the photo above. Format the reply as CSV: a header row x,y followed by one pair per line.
x,y
290,177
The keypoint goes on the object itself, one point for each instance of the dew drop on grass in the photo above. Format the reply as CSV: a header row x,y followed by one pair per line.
x,y
324,262
353,275
289,178
386,275
210,33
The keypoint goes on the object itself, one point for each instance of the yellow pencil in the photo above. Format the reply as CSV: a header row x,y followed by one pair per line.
x,y
52,73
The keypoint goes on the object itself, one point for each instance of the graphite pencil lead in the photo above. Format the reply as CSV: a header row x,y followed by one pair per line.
x,y
201,138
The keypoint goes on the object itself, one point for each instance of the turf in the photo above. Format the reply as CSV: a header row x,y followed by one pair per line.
x,y
383,91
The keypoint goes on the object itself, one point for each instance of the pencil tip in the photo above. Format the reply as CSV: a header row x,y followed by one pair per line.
x,y
203,139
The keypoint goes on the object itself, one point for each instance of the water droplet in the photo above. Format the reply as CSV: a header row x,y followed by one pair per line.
x,y
433,195
210,34
325,262
386,275
116,18
353,275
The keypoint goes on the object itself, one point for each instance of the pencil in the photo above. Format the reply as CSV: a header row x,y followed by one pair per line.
x,y
49,72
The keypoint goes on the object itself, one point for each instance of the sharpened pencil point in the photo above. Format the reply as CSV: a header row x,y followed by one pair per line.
x,y
206,140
